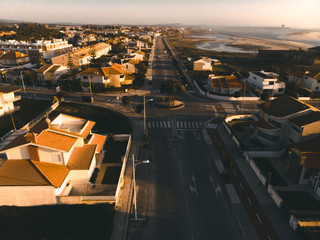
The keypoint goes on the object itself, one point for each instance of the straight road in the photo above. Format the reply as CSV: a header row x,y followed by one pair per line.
x,y
186,199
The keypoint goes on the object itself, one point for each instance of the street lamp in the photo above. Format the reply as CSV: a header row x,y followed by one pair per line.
x,y
135,163
144,112
90,87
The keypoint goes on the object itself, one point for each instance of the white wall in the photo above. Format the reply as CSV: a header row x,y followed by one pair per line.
x,y
27,195
18,153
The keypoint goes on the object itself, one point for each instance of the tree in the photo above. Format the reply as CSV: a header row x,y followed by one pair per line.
x,y
292,87
126,101
93,57
173,87
139,75
139,109
70,63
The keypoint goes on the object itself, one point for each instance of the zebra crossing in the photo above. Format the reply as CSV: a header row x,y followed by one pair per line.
x,y
212,125
155,91
179,124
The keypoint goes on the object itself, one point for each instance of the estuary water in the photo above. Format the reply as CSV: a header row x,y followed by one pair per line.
x,y
250,39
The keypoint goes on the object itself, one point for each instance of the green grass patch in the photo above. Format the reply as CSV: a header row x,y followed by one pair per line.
x,y
107,121
57,222
265,166
29,109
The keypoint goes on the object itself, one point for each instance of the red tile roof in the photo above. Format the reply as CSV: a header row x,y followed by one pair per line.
x,y
98,140
81,157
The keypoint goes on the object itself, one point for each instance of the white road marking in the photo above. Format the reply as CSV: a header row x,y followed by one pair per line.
x,y
189,124
197,125
160,124
259,218
165,124
149,124
268,237
157,124
249,200
240,185
185,125
169,125
153,124
178,124
192,124
234,172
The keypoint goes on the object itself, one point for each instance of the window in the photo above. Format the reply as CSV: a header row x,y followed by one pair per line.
x,y
306,175
275,123
85,77
280,90
254,78
295,128
318,81
271,83
317,88
268,137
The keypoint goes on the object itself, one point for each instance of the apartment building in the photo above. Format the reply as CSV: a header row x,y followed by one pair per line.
x,y
45,49
82,56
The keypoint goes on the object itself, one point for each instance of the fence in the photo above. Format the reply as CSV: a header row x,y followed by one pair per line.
x,y
275,196
121,178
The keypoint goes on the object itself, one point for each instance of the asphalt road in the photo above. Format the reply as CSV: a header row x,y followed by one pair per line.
x,y
186,198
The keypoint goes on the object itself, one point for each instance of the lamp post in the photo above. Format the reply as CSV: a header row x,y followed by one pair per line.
x,y
135,163
144,113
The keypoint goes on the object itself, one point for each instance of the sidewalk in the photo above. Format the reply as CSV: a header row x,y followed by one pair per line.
x,y
244,223
278,219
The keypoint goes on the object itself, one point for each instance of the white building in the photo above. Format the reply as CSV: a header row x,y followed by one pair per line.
x,y
46,49
103,77
284,121
51,72
130,66
266,81
82,56
310,81
42,167
203,64
7,98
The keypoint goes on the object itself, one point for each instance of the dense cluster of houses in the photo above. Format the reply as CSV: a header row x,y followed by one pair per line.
x,y
57,55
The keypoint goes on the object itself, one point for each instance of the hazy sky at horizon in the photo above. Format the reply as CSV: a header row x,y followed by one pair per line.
x,y
292,13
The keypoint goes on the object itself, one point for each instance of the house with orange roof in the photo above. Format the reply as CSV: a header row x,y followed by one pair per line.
x,y
103,77
137,55
227,85
7,98
51,72
130,66
43,165
14,58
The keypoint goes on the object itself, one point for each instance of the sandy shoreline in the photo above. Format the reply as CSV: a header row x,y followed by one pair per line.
x,y
249,43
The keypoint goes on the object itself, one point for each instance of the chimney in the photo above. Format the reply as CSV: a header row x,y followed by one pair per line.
x,y
31,137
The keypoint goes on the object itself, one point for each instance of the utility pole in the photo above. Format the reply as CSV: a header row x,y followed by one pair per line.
x,y
144,114
90,87
14,126
24,89
244,93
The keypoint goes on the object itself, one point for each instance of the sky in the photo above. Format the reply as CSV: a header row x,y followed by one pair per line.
x,y
269,13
